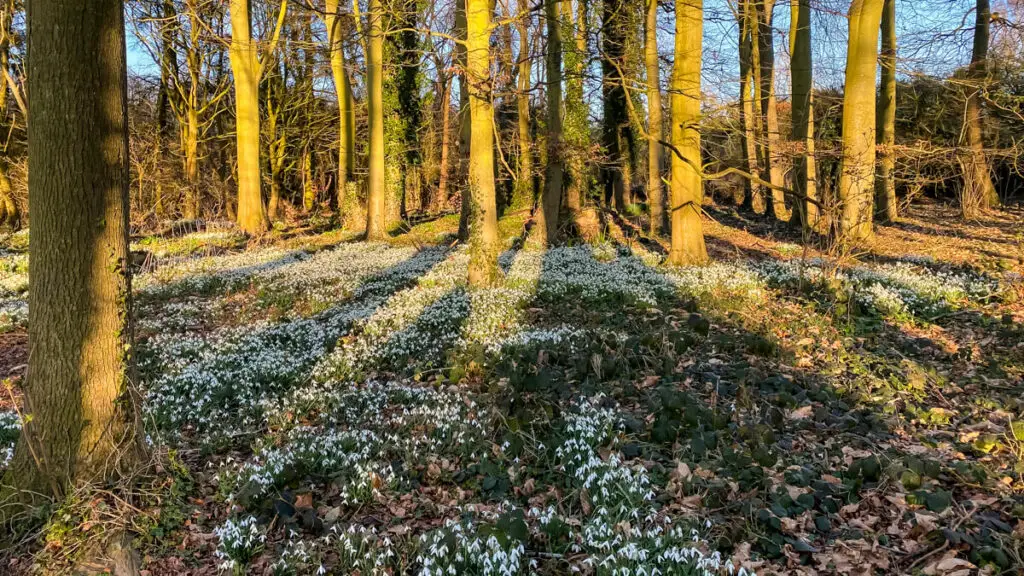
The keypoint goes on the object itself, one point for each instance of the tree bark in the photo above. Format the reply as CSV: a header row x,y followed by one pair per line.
x,y
334,21
655,191
483,210
885,178
773,170
616,129
465,130
252,214
804,168
577,122
753,197
376,215
979,192
547,225
687,230
856,180
522,197
441,199
82,410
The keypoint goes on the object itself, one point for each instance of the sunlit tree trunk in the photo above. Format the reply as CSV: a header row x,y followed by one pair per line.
x,y
483,211
522,197
856,180
655,191
885,179
753,196
979,190
252,214
804,168
547,224
346,111
773,169
687,231
376,216
82,415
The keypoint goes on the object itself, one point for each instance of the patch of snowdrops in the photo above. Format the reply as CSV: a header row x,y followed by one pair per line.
x,y
10,429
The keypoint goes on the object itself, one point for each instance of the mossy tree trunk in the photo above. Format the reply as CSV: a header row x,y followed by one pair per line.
x,y
577,123
483,210
376,216
655,191
856,179
687,186
547,225
804,167
616,131
82,412
10,216
979,192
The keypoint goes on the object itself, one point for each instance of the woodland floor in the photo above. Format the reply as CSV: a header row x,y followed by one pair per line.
x,y
318,403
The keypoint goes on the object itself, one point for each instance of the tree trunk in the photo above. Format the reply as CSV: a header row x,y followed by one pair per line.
x,y
687,231
441,198
655,191
522,197
616,122
577,122
346,111
804,168
547,225
465,131
773,169
82,412
856,180
376,214
483,210
190,151
252,214
754,193
885,178
979,192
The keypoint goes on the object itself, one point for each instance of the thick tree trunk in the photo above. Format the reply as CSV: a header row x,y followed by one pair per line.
x,y
753,197
856,180
547,225
804,168
655,191
979,192
687,187
522,196
885,178
483,211
346,111
82,412
252,214
376,215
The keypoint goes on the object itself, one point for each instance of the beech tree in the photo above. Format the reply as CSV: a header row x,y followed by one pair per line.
x,y
376,216
334,21
885,184
82,424
979,192
655,191
857,175
482,200
805,175
687,184
547,222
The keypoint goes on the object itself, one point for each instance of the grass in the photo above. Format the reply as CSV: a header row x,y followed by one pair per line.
x,y
341,406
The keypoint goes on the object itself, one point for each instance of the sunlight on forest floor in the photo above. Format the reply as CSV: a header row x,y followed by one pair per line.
x,y
355,406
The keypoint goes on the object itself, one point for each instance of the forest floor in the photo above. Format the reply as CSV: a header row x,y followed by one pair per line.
x,y
323,404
